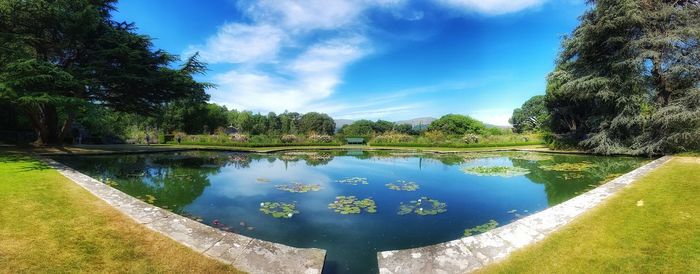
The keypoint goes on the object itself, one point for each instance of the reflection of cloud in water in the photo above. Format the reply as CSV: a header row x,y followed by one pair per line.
x,y
232,182
504,161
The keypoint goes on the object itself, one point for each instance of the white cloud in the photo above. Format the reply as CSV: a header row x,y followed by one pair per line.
x,y
492,7
309,77
498,117
240,43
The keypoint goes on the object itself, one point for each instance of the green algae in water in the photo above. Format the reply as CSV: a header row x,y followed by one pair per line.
x,y
402,185
502,171
278,210
263,180
148,198
491,224
423,206
110,182
298,187
568,167
352,205
353,181
533,156
570,176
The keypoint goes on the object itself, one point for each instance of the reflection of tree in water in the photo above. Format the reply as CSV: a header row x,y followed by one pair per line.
x,y
561,186
174,180
312,158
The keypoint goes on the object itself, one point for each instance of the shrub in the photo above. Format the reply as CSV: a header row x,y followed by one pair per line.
x,y
470,138
289,138
320,138
239,138
435,136
393,138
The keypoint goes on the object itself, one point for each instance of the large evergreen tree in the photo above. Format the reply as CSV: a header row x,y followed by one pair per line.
x,y
627,78
58,55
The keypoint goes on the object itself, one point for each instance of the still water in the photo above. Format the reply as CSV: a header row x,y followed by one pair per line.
x,y
227,190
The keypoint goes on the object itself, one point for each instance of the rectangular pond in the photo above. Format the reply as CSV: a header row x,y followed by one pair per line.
x,y
353,203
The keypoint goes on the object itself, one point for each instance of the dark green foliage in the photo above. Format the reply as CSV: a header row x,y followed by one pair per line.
x,y
314,122
456,124
627,79
369,128
532,116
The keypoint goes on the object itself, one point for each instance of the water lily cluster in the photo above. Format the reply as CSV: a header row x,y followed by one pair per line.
x,y
402,185
353,181
423,206
491,224
352,205
278,210
298,187
502,171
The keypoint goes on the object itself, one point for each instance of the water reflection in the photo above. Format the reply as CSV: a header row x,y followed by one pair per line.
x,y
225,190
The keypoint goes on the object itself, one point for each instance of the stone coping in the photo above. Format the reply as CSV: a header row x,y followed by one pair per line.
x,y
470,253
244,253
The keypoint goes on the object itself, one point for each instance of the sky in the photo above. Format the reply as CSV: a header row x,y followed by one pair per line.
x,y
365,59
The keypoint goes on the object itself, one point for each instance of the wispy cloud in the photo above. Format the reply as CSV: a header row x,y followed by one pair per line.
x,y
492,7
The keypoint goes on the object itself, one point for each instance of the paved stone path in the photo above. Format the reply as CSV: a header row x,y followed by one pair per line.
x,y
470,253
244,253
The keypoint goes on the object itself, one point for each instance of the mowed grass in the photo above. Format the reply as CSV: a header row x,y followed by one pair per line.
x,y
661,236
48,224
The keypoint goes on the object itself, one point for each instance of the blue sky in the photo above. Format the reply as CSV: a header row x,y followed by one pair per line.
x,y
372,59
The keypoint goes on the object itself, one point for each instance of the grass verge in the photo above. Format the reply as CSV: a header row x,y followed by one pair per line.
x,y
661,234
48,224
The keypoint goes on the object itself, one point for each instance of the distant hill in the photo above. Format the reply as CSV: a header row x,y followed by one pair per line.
x,y
497,126
341,122
425,121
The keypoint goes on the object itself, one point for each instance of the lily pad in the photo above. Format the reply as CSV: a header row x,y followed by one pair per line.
x,y
491,224
352,205
568,167
423,206
502,171
299,188
278,210
402,185
353,181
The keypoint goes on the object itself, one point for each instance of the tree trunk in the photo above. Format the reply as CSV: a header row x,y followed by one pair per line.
x,y
44,119
663,92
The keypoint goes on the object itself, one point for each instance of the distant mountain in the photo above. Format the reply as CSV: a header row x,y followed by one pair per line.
x,y
425,121
341,122
497,126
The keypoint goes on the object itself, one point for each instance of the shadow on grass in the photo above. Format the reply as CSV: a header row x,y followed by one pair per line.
x,y
32,164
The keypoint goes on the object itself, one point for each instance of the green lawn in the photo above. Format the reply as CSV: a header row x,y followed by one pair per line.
x,y
48,224
662,236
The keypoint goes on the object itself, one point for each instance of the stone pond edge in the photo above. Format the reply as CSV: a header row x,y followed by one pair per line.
x,y
471,253
244,253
